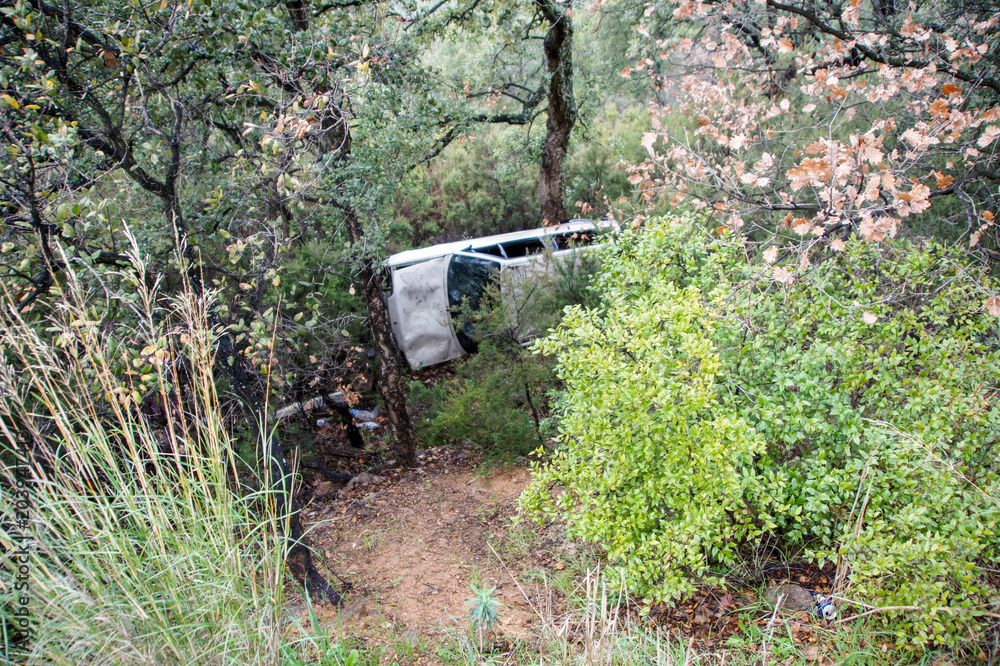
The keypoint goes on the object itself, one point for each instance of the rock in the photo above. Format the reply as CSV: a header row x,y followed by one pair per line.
x,y
790,596
362,479
365,478
324,489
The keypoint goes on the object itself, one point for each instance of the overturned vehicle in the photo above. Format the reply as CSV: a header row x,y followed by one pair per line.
x,y
428,285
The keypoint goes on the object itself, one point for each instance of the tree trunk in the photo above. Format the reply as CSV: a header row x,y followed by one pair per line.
x,y
390,384
278,472
558,48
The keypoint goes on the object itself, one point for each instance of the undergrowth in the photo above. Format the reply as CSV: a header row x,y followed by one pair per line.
x,y
141,547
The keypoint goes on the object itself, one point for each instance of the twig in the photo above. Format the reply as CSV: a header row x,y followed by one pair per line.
x,y
876,610
516,582
766,643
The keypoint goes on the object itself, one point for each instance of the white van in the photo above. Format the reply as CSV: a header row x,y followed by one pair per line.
x,y
427,284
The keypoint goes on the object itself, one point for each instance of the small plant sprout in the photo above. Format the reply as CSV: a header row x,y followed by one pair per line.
x,y
484,610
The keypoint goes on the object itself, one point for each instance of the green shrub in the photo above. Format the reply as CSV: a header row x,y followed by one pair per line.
x,y
850,417
648,466
879,434
488,402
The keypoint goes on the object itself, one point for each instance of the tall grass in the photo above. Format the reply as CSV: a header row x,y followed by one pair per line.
x,y
144,550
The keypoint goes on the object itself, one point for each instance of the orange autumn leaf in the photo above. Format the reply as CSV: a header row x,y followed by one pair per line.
x,y
939,109
815,148
950,89
111,59
943,181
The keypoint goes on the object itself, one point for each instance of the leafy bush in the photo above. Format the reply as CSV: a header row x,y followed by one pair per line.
x,y
649,466
873,381
850,416
488,402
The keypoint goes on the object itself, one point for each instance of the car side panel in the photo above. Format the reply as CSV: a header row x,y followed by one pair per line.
x,y
418,308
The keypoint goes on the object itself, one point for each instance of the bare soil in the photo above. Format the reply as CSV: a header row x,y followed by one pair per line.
x,y
410,542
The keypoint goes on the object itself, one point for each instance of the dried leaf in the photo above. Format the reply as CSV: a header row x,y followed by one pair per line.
x,y
989,135
943,181
647,142
939,109
869,318
782,276
993,306
950,89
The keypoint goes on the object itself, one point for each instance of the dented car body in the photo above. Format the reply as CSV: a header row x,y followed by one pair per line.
x,y
428,284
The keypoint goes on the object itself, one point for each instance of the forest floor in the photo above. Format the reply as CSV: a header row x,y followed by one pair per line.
x,y
408,543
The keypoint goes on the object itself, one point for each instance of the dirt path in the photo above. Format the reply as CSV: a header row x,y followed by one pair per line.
x,y
412,542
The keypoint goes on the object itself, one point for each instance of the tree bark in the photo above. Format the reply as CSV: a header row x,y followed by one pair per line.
x,y
558,47
298,12
390,384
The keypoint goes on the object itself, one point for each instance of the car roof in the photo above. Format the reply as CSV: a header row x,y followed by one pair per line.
x,y
410,257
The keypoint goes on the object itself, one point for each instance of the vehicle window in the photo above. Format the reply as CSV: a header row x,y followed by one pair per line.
x,y
468,279
565,241
523,248
493,250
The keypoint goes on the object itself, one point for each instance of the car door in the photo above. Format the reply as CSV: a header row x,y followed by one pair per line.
x,y
469,276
